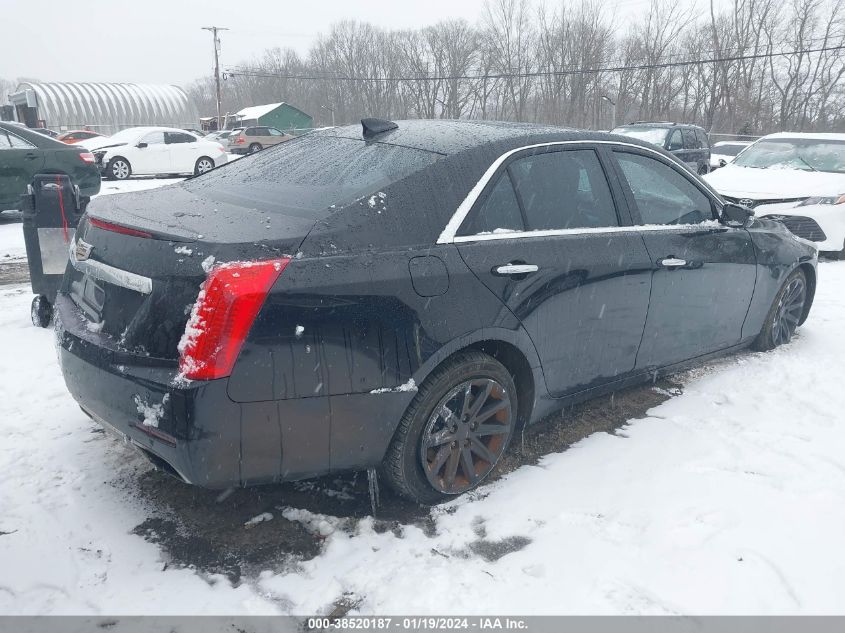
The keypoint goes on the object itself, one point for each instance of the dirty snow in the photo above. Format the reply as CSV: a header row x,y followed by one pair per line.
x,y
727,498
261,518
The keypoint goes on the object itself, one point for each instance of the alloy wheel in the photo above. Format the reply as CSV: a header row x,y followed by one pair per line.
x,y
120,170
789,311
466,435
204,165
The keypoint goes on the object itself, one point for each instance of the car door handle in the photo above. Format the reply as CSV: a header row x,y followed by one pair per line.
x,y
672,262
516,269
31,156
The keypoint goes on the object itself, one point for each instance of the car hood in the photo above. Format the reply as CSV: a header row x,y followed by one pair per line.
x,y
93,147
758,184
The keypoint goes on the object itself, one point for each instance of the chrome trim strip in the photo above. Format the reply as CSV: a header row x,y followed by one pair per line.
x,y
110,274
448,236
644,228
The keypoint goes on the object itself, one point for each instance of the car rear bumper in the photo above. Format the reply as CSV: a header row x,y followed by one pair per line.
x,y
195,431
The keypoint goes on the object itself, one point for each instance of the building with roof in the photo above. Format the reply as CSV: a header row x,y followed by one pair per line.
x,y
282,116
102,107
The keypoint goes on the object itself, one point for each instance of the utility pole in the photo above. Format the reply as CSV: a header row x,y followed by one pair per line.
x,y
214,30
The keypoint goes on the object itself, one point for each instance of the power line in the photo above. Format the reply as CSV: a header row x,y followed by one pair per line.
x,y
234,72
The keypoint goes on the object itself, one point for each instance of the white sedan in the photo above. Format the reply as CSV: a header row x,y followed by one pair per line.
x,y
795,178
724,152
154,151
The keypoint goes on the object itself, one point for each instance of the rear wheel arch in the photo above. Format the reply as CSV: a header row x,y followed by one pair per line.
x,y
519,368
810,275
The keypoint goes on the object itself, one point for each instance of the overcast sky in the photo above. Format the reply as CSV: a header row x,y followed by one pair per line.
x,y
160,41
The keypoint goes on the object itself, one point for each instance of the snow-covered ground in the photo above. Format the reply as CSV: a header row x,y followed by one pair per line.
x,y
11,234
726,499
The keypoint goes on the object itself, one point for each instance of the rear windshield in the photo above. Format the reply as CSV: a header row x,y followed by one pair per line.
x,y
649,134
311,173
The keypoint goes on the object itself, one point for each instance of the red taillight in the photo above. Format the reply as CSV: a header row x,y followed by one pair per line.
x,y
240,140
87,157
226,307
116,228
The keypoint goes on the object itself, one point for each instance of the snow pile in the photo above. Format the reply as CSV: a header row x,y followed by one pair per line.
x,y
408,386
151,414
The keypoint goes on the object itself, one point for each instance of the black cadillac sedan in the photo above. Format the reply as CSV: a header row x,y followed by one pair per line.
x,y
403,296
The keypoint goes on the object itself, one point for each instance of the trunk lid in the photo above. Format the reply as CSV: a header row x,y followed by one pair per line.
x,y
134,293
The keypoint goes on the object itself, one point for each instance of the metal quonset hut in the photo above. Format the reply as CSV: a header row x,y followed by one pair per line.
x,y
282,116
102,107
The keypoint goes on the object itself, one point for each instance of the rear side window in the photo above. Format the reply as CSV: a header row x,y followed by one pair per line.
x,y
500,210
662,194
178,137
308,174
563,190
15,142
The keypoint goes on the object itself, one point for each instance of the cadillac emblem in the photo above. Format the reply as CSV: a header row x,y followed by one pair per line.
x,y
83,250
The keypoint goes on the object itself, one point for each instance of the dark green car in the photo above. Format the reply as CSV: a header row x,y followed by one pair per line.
x,y
24,153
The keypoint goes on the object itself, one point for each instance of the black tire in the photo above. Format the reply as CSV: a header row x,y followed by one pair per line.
x,y
204,164
255,147
41,311
480,438
785,313
118,169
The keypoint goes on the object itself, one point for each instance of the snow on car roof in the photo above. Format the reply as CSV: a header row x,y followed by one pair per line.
x,y
817,136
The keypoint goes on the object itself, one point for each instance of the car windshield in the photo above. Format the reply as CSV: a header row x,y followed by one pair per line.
x,y
311,173
802,154
647,133
728,149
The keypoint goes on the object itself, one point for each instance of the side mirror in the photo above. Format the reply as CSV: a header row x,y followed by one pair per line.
x,y
736,215
141,145
722,162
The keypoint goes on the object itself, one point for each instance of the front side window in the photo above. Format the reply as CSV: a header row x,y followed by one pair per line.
x,y
153,138
662,194
563,190
274,132
676,141
690,142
